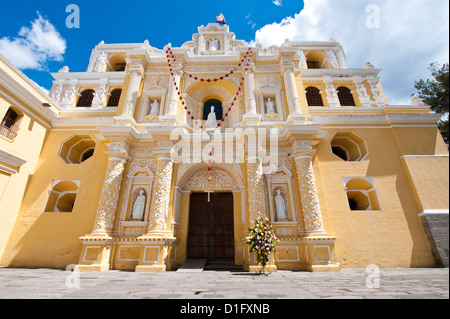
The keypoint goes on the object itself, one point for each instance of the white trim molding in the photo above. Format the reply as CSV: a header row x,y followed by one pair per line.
x,y
433,212
11,160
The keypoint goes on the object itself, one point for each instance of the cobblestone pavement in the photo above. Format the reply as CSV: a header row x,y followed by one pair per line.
x,y
348,284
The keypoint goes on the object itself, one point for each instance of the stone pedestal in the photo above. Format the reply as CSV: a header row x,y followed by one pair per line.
x,y
155,254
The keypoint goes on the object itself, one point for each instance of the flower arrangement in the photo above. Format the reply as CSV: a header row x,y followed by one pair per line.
x,y
263,241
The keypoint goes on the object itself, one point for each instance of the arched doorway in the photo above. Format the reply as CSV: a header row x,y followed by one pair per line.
x,y
210,230
211,227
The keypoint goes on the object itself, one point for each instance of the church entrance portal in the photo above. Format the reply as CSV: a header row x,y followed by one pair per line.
x,y
211,227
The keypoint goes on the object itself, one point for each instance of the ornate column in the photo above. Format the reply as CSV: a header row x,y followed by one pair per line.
x,y
100,94
363,97
161,196
97,246
136,70
157,243
70,94
104,220
308,190
332,96
378,96
256,189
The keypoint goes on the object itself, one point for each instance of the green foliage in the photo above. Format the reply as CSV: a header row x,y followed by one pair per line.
x,y
435,94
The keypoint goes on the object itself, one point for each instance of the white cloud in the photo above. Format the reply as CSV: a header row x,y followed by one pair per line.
x,y
34,47
278,3
411,35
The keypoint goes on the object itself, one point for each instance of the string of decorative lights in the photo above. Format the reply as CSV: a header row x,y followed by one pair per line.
x,y
246,58
171,61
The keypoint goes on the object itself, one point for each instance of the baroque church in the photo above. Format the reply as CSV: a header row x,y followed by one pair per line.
x,y
153,157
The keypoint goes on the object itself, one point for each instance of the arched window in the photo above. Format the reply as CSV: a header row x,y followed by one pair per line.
x,y
9,125
114,98
217,109
315,60
361,194
345,96
88,154
313,96
85,99
62,196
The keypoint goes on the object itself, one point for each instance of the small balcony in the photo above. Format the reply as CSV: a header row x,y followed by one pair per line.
x,y
10,132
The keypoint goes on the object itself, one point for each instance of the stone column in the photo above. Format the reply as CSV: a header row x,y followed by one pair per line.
x,y
308,193
109,197
291,90
250,100
136,75
256,190
172,95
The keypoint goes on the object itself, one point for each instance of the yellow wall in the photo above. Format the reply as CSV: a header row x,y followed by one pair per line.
x,y
49,239
390,237
12,186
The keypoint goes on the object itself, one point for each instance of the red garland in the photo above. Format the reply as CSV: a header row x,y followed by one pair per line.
x,y
171,60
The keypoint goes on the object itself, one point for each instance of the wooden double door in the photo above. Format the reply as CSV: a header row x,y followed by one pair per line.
x,y
211,227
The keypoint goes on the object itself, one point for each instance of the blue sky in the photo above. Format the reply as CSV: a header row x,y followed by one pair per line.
x,y
133,21
408,37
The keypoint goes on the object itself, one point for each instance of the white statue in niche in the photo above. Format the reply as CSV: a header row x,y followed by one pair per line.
x,y
280,206
233,48
139,206
192,49
270,106
211,120
213,44
154,108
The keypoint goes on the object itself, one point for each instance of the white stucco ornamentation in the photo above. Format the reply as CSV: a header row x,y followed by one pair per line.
x,y
256,193
308,192
161,195
110,196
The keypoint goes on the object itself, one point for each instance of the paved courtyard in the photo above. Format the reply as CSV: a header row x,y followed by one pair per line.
x,y
354,284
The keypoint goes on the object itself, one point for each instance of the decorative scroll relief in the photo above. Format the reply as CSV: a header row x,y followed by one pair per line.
x,y
110,195
256,191
221,180
308,193
161,195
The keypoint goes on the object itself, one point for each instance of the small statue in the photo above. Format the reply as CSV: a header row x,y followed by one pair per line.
x,y
139,206
192,49
213,44
211,120
280,206
270,107
155,108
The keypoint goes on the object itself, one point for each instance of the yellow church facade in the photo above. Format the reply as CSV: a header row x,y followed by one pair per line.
x,y
153,157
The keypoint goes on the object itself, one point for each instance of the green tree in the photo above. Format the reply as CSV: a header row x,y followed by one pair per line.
x,y
435,94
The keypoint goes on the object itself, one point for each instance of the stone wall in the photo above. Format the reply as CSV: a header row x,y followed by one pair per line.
x,y
436,228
